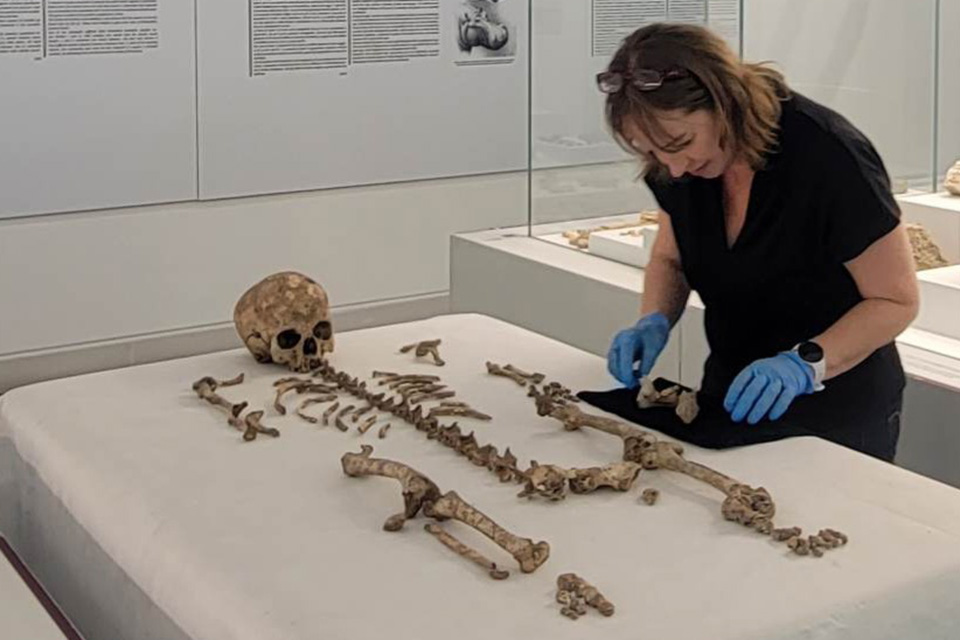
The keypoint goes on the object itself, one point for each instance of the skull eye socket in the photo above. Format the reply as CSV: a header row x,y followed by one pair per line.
x,y
323,330
288,339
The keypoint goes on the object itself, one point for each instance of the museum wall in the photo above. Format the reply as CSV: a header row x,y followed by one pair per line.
x,y
79,277
871,60
948,128
181,266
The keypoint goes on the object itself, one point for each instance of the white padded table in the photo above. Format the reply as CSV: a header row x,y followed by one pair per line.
x,y
151,518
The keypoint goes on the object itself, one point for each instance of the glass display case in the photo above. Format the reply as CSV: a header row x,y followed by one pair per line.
x,y
888,66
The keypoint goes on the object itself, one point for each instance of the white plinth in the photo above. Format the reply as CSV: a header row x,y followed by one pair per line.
x,y
940,301
622,246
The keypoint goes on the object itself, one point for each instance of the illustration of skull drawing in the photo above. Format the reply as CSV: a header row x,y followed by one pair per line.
x,y
479,26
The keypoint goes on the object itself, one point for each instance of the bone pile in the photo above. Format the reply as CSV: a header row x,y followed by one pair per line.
x,y
580,238
206,388
421,494
746,505
684,402
576,594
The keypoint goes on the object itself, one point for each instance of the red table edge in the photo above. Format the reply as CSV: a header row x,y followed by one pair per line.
x,y
39,592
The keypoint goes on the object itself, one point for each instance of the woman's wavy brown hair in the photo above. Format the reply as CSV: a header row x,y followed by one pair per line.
x,y
744,97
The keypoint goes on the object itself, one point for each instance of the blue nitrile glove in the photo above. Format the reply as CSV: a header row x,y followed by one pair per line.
x,y
643,341
768,385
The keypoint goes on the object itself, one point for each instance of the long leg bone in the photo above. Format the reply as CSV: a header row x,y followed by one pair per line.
x,y
418,490
528,553
465,551
535,378
421,494
744,504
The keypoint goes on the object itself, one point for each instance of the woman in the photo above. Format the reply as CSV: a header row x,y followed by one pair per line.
x,y
779,213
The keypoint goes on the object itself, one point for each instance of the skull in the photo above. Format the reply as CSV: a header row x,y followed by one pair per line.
x,y
285,318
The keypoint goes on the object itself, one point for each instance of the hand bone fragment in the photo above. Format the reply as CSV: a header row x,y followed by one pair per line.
x,y
425,348
649,496
253,426
578,587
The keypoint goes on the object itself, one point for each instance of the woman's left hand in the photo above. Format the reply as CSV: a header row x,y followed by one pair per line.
x,y
767,387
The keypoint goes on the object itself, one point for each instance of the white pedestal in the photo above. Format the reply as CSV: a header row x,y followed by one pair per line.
x,y
940,301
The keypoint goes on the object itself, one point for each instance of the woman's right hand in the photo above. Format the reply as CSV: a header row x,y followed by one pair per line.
x,y
642,342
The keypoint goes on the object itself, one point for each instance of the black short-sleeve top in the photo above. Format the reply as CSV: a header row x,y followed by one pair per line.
x,y
822,198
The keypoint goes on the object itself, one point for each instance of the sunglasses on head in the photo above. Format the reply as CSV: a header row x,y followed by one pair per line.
x,y
642,79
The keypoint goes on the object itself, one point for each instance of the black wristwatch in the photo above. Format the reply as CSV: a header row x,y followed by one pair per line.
x,y
812,353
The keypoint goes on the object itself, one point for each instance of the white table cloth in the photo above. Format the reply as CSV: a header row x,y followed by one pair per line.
x,y
191,532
